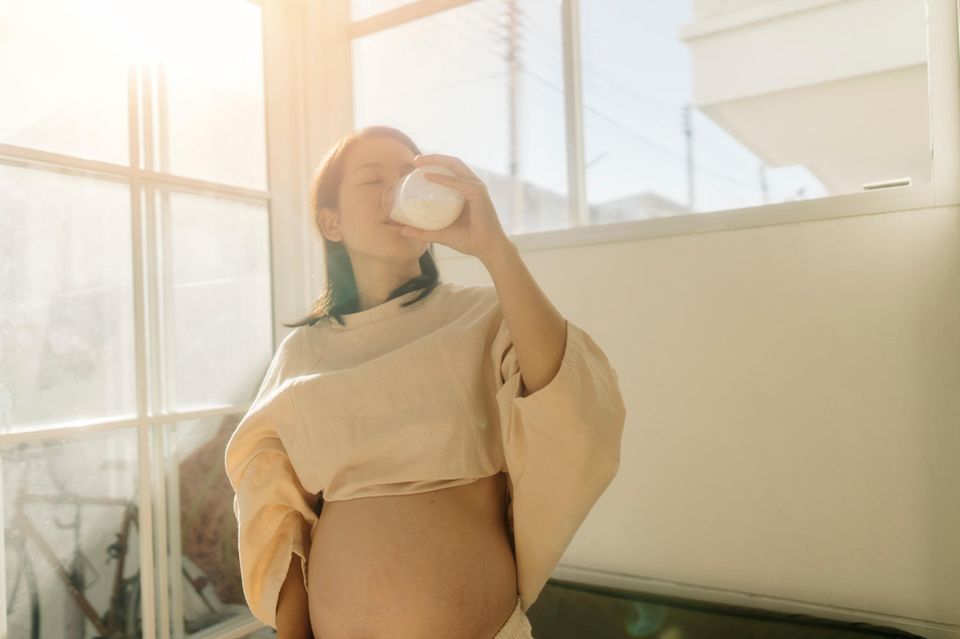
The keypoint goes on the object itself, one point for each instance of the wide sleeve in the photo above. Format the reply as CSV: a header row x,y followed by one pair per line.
x,y
562,449
275,514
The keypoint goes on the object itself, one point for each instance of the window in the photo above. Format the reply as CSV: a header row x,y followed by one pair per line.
x,y
706,106
654,110
465,82
135,234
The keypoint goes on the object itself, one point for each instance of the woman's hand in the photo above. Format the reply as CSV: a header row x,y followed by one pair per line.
x,y
477,231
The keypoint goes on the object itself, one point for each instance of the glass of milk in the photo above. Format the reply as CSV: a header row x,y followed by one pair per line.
x,y
416,201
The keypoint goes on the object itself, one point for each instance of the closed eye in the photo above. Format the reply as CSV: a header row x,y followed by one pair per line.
x,y
374,182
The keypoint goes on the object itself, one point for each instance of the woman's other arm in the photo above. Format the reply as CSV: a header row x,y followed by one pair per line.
x,y
538,329
293,614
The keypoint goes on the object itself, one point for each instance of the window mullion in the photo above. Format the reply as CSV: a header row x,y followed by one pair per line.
x,y
573,108
142,270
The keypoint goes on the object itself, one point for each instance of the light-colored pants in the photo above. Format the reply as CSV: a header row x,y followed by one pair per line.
x,y
517,625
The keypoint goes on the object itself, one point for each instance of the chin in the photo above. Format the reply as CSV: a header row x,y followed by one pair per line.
x,y
410,249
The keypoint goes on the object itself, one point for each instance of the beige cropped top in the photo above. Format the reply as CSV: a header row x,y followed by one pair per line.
x,y
408,400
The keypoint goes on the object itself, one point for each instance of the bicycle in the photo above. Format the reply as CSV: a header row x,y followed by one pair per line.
x,y
122,619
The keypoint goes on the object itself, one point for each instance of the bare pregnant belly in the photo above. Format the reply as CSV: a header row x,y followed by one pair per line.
x,y
417,566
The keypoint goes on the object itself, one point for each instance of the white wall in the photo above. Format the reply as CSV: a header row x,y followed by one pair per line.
x,y
793,412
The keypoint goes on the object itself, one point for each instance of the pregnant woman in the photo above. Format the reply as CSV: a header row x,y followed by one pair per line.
x,y
419,454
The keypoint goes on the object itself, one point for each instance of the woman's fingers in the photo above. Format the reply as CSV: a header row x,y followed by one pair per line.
x,y
471,188
459,166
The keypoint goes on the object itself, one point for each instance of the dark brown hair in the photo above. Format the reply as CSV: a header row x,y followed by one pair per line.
x,y
340,296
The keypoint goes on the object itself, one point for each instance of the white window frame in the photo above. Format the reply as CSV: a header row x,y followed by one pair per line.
x,y
943,66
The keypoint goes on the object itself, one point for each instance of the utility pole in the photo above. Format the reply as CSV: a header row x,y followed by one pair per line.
x,y
688,133
763,183
513,60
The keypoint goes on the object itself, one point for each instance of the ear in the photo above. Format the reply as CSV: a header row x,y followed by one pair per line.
x,y
328,220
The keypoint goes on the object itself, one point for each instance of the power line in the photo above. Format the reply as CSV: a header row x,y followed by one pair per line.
x,y
671,108
544,53
625,97
645,140
739,191
596,91
615,123
600,114
445,86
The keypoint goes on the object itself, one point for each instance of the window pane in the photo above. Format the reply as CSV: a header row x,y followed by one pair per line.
x,y
72,506
63,76
210,99
66,324
446,81
795,106
206,523
220,314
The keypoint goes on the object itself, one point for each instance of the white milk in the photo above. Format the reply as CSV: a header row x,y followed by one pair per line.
x,y
432,213
424,204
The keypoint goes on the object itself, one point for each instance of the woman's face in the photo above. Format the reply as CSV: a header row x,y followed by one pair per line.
x,y
361,223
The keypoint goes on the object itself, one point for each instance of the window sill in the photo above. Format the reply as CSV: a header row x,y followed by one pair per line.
x,y
838,206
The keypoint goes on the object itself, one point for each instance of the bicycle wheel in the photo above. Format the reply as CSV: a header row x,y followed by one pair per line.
x,y
23,612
